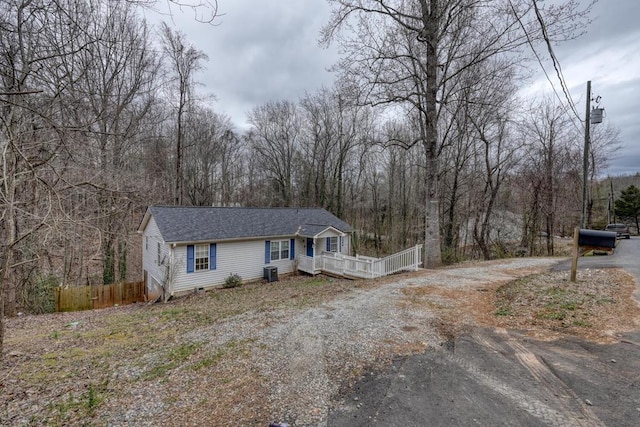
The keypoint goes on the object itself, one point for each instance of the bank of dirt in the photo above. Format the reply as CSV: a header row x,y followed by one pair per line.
x,y
284,351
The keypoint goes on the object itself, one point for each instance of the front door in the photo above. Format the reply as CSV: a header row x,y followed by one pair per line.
x,y
310,247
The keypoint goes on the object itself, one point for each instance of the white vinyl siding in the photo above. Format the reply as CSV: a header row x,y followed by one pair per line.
x,y
155,252
321,243
243,258
346,245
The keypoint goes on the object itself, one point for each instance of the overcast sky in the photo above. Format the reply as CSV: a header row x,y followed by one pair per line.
x,y
268,50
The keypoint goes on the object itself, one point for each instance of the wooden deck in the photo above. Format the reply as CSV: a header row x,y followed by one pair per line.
x,y
361,267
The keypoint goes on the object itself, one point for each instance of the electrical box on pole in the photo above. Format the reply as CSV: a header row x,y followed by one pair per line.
x,y
597,115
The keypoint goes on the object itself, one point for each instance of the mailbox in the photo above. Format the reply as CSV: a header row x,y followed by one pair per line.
x,y
588,240
597,238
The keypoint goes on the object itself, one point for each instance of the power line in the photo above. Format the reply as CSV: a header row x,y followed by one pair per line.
x,y
535,53
554,59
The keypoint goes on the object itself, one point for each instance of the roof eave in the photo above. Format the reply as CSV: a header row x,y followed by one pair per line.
x,y
340,233
144,222
228,240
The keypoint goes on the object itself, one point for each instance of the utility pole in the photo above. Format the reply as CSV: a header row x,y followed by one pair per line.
x,y
612,204
585,161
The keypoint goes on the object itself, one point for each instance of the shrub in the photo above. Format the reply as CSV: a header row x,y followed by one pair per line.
x,y
38,296
232,281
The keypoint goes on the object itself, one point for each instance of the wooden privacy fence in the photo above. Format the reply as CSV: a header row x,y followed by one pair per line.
x,y
91,297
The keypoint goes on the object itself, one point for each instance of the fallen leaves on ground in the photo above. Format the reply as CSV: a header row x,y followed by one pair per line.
x,y
196,360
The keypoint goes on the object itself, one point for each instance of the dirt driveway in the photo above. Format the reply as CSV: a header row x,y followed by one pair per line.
x,y
544,376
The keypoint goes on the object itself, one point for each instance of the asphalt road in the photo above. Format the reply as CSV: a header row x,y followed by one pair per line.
x,y
495,377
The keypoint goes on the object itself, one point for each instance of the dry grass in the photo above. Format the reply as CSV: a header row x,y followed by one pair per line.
x,y
67,368
597,307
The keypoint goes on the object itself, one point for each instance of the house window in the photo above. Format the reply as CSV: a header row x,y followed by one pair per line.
x,y
202,257
333,244
279,250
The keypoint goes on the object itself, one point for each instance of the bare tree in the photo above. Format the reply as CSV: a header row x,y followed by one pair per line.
x,y
204,11
410,51
117,88
31,137
486,109
404,217
497,157
275,137
548,135
332,127
605,143
73,78
457,177
184,61
212,159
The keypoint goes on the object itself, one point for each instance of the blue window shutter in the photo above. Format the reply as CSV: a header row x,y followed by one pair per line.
x,y
292,249
190,258
340,247
212,256
328,244
267,252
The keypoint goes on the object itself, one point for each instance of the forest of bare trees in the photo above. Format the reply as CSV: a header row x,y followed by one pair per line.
x,y
422,136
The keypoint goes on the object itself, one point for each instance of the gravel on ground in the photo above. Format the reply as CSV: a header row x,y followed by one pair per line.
x,y
281,352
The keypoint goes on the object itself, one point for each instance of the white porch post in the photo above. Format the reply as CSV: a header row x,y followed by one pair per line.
x,y
313,259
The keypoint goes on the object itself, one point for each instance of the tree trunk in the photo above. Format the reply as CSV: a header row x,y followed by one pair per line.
x,y
7,284
179,186
433,254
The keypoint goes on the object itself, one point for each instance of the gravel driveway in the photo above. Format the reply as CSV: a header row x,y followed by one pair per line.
x,y
307,357
248,357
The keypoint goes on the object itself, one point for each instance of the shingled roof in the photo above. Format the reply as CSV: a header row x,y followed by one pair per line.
x,y
200,224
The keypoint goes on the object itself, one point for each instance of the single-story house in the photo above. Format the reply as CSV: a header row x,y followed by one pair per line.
x,y
191,248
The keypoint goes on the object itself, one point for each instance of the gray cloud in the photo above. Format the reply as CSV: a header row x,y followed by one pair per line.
x,y
268,50
262,51
609,55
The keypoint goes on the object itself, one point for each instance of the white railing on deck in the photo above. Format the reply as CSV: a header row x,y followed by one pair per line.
x,y
307,264
362,266
409,259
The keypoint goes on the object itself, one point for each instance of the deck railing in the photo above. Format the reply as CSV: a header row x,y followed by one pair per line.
x,y
307,264
362,266
409,259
